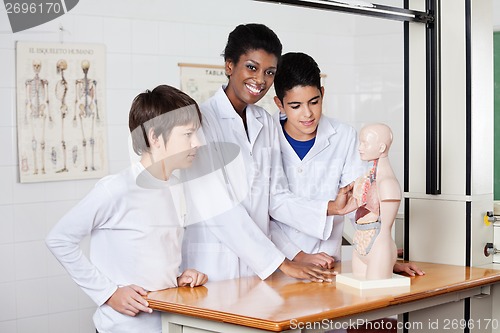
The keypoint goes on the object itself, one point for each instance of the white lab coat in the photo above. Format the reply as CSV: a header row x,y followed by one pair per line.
x,y
237,242
332,162
135,234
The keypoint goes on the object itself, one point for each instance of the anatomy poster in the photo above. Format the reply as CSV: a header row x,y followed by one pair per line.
x,y
61,114
202,81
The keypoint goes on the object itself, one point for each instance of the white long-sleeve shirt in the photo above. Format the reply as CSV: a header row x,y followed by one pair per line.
x,y
135,236
237,242
331,163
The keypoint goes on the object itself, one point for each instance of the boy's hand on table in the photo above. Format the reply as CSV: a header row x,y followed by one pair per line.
x,y
129,300
319,259
407,267
307,271
192,278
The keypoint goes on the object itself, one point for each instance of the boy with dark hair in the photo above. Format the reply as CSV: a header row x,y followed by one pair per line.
x,y
132,220
320,156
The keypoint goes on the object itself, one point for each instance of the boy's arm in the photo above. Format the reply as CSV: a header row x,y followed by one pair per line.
x,y
306,215
282,241
294,253
64,243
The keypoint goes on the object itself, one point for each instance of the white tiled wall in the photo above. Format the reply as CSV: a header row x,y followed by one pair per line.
x,y
145,41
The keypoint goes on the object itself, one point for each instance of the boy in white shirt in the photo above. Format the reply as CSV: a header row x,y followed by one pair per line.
x,y
320,155
134,226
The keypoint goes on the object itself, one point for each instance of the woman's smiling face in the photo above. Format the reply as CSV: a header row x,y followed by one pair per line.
x,y
250,78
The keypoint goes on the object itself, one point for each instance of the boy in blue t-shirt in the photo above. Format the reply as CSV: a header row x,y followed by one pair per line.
x,y
319,155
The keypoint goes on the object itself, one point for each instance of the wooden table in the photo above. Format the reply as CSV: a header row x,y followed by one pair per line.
x,y
282,304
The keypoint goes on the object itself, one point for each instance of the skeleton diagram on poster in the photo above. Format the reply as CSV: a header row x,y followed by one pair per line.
x,y
60,111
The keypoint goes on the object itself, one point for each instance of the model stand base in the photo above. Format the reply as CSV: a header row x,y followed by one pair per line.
x,y
359,283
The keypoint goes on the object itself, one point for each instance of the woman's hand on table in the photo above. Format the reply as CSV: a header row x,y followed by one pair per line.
x,y
319,259
307,271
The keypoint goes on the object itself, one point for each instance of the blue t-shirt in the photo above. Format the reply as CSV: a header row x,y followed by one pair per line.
x,y
300,147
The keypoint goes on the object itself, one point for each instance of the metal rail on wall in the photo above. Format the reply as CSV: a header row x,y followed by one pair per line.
x,y
361,8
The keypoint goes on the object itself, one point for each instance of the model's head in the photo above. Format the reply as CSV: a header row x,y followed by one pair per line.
x,y
252,36
374,141
296,69
155,113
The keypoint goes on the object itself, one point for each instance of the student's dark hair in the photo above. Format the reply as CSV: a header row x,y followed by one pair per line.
x,y
251,36
160,109
296,69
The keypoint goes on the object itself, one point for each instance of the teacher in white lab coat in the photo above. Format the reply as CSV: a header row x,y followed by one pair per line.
x,y
236,242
